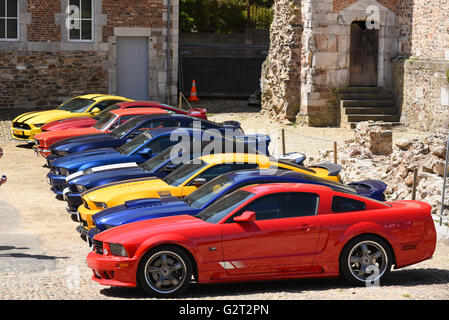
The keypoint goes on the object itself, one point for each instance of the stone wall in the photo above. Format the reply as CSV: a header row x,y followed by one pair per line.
x,y
309,56
425,93
281,72
46,79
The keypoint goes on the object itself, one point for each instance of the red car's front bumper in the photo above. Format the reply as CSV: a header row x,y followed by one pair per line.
x,y
113,271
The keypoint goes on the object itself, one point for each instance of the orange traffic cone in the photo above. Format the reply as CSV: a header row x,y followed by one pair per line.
x,y
193,97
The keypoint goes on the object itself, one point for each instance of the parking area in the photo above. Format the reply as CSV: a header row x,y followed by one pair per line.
x,y
43,257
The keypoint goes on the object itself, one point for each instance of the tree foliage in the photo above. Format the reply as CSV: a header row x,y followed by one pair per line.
x,y
224,16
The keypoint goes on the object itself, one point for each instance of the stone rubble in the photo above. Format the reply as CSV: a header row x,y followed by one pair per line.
x,y
367,156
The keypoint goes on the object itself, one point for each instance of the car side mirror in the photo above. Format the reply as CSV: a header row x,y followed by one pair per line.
x,y
145,152
95,110
246,216
199,182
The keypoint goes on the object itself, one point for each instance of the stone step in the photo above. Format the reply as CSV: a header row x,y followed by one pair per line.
x,y
371,110
367,103
366,96
353,125
374,117
362,90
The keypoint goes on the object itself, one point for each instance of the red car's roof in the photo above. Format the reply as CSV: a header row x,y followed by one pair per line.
x,y
132,111
139,104
285,187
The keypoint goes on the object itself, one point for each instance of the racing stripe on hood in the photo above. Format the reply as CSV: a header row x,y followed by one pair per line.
x,y
25,115
121,182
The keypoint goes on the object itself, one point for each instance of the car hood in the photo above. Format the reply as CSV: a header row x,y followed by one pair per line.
x,y
46,116
74,141
111,175
82,122
58,135
143,209
126,190
84,157
140,231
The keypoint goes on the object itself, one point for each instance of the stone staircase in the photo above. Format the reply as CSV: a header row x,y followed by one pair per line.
x,y
359,104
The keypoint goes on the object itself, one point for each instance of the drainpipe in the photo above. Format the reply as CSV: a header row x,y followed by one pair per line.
x,y
168,52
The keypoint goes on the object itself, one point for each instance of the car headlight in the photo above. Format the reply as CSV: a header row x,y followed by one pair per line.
x,y
80,188
101,205
108,226
64,172
118,250
39,125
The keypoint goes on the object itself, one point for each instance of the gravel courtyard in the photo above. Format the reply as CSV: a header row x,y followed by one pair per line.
x,y
43,257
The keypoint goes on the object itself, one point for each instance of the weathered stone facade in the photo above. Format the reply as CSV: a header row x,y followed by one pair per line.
x,y
281,72
321,29
43,67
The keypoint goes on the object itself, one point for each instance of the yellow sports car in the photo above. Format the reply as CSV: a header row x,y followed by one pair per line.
x,y
185,180
27,125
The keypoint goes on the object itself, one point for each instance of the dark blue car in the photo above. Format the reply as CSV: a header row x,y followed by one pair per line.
x,y
143,147
159,166
131,129
144,209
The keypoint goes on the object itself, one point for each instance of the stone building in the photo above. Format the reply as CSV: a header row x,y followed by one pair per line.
x,y
55,49
338,62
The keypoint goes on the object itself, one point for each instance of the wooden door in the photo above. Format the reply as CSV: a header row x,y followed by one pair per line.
x,y
364,54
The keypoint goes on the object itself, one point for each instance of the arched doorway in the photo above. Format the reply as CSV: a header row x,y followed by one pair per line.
x,y
364,55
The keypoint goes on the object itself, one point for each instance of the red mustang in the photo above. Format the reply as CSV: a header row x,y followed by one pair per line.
x,y
108,122
86,122
262,232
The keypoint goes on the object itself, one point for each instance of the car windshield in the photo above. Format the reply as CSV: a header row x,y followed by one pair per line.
x,y
106,111
204,194
134,144
77,105
125,128
155,162
220,209
177,177
105,123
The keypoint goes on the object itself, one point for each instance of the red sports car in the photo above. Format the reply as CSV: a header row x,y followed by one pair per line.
x,y
86,122
107,123
262,232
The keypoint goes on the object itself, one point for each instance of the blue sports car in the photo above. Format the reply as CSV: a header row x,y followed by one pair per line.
x,y
144,209
131,129
143,147
159,166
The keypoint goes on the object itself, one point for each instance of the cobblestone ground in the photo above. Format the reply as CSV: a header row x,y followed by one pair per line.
x,y
42,256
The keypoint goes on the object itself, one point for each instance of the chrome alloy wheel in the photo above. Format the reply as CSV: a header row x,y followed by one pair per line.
x,y
367,261
165,272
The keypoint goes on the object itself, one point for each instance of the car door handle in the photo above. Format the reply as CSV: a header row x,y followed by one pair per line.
x,y
306,227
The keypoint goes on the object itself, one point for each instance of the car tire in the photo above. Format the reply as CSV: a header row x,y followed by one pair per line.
x,y
365,260
165,272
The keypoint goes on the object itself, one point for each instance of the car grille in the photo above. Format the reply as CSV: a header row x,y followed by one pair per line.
x,y
98,246
23,126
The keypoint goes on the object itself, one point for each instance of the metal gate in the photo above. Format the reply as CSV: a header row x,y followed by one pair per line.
x,y
221,70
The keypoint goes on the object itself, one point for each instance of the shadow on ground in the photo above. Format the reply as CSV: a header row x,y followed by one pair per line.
x,y
405,278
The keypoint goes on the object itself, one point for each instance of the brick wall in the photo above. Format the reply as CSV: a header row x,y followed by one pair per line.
x,y
43,27
138,13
